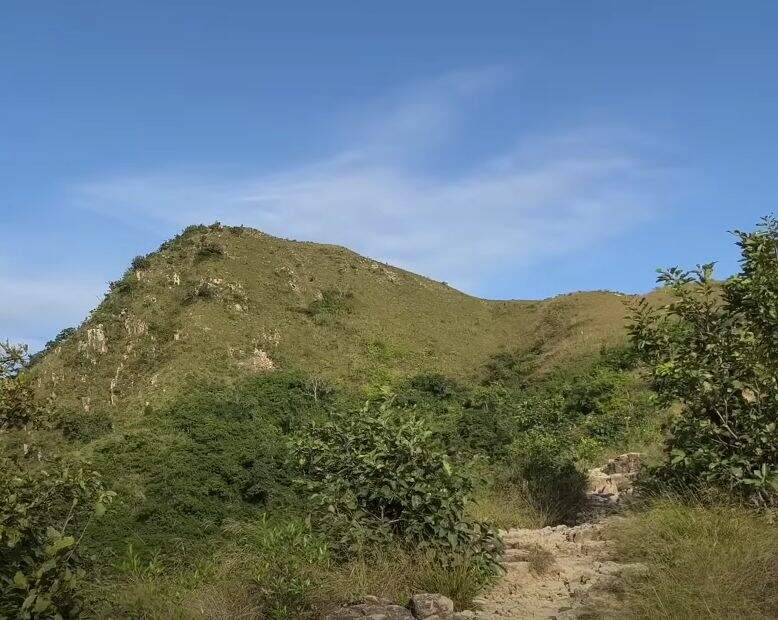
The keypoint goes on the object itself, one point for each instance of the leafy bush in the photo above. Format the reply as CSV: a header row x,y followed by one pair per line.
x,y
490,419
715,349
43,516
512,367
216,453
81,425
543,466
376,476
140,262
17,402
209,249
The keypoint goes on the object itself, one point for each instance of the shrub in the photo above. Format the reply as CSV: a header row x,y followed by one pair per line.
x,y
43,516
715,349
512,367
489,421
17,402
377,477
209,249
543,466
140,262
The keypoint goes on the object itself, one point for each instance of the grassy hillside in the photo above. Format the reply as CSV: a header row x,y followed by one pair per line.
x,y
219,303
192,387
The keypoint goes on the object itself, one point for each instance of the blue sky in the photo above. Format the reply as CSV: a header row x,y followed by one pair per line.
x,y
513,149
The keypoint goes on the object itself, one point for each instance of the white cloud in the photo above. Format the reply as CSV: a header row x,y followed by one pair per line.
x,y
34,306
381,194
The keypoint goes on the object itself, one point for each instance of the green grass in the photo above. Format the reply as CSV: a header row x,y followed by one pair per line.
x,y
156,388
704,561
318,308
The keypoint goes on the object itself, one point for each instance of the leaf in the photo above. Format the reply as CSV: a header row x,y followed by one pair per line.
x,y
20,581
99,509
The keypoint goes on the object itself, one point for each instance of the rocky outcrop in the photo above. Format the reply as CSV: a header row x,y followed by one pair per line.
x,y
614,480
420,607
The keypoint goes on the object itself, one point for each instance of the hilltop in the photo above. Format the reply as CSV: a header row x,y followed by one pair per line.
x,y
218,303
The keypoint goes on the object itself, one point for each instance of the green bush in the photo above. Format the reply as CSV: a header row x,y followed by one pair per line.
x,y
715,349
17,402
286,559
512,368
140,262
43,516
209,249
542,464
377,476
216,453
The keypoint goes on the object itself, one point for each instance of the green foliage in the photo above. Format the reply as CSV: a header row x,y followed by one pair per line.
x,y
140,262
714,350
81,425
43,516
512,368
377,476
209,249
490,419
216,452
331,303
287,559
544,467
17,403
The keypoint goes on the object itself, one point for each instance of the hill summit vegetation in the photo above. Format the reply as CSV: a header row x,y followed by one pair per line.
x,y
253,427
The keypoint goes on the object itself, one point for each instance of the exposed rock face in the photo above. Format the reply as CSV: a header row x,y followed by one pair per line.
x,y
614,479
259,361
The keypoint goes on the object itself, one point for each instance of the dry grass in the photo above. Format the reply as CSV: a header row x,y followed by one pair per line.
x,y
396,575
505,506
704,562
540,559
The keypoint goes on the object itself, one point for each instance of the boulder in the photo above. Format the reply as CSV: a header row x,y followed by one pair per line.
x,y
431,607
370,611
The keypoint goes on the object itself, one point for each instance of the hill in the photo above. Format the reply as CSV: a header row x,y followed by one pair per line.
x,y
218,303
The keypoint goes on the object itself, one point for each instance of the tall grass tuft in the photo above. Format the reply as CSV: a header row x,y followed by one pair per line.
x,y
703,562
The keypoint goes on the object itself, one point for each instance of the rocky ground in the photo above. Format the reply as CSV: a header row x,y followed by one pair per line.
x,y
561,572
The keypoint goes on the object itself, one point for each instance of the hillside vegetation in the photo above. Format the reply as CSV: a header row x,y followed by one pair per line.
x,y
254,427
221,303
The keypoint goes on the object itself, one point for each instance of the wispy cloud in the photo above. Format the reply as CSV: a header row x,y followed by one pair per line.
x,y
32,307
381,193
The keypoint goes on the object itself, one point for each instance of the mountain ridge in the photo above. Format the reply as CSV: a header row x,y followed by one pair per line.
x,y
216,303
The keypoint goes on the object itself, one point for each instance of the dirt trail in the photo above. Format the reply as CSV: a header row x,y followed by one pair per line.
x,y
565,572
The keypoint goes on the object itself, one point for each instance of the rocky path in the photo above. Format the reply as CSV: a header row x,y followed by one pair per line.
x,y
561,572
565,572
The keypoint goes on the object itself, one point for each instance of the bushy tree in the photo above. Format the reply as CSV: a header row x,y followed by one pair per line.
x,y
715,349
17,405
378,476
43,515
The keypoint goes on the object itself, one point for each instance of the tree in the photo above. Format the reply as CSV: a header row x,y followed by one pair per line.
x,y
17,404
714,349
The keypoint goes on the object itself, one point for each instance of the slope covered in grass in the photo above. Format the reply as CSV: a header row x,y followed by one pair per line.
x,y
219,303
189,387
